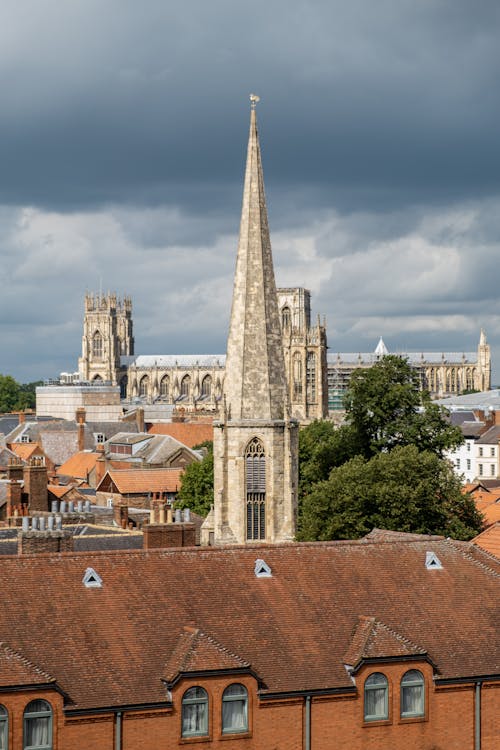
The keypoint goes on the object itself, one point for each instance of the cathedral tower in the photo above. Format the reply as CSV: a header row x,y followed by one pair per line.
x,y
107,336
255,441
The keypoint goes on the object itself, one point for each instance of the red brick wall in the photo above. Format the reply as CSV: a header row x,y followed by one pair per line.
x,y
36,542
336,722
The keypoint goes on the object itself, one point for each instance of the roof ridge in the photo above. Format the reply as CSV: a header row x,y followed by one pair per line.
x,y
399,636
220,647
24,660
477,550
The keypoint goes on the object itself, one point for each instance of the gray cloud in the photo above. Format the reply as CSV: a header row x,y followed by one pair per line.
x,y
122,143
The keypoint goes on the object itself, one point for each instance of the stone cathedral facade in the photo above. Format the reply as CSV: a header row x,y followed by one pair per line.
x,y
194,382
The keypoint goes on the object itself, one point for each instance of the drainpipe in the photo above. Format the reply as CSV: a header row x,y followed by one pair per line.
x,y
307,728
477,722
118,734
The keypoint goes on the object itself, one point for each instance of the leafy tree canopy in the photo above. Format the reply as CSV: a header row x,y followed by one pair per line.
x,y
197,483
404,489
15,396
386,408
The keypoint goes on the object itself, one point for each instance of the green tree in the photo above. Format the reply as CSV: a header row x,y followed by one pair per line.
x,y
197,483
386,408
404,489
322,446
9,393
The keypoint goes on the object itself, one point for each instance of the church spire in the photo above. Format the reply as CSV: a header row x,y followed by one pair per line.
x,y
255,384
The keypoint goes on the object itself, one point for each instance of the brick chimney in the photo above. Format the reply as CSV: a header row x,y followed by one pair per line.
x,y
139,418
80,420
120,514
100,464
35,484
162,535
14,493
15,469
36,542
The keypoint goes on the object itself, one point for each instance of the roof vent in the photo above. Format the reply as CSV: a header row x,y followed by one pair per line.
x,y
262,569
91,579
432,561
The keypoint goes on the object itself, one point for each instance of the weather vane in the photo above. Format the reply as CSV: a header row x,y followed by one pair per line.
x,y
253,100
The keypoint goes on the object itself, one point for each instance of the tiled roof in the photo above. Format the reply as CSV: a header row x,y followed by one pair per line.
x,y
58,490
138,481
16,670
491,436
489,539
294,628
79,464
188,433
195,652
25,450
373,639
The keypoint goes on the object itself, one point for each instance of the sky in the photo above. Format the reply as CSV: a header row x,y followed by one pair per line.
x,y
123,132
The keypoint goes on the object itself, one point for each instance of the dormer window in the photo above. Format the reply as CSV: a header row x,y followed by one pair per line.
x,y
432,561
376,697
91,579
195,712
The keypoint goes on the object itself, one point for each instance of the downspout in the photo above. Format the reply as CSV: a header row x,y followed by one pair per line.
x,y
477,722
118,733
307,727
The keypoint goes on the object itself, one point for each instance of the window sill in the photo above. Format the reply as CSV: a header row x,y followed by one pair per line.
x,y
195,738
377,723
412,719
235,736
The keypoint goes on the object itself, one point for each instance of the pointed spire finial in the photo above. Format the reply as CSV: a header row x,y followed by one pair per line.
x,y
253,100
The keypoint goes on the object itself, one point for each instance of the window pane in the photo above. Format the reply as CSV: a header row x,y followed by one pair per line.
x,y
412,694
37,732
194,712
235,709
3,731
376,699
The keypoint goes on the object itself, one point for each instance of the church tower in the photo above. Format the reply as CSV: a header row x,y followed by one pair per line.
x,y
107,336
255,441
483,372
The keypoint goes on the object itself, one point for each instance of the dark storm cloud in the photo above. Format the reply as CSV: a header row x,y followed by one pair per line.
x,y
122,146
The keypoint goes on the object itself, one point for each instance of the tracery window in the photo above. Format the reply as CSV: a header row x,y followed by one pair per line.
x,y
144,386
206,387
235,709
311,376
38,726
185,385
195,712
376,697
412,694
255,466
297,376
164,386
97,345
286,319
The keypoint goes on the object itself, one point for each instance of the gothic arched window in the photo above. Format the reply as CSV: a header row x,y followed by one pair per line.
x,y
123,386
144,386
286,318
255,468
164,386
469,380
311,376
185,386
97,345
206,387
297,376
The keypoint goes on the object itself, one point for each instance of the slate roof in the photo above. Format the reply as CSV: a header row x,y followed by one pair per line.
x,y
188,433
293,628
491,436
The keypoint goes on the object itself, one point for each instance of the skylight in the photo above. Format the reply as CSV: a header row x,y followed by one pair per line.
x,y
262,569
91,579
432,561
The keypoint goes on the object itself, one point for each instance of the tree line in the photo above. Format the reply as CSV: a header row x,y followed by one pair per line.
x,y
16,396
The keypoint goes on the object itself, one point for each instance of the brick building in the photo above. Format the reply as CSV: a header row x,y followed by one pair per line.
x,y
382,643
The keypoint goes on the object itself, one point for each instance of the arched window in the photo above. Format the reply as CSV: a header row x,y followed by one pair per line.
x,y
376,697
297,376
144,386
235,709
164,386
185,386
311,377
469,380
38,726
4,728
97,379
97,345
206,387
412,694
195,712
286,319
123,387
255,465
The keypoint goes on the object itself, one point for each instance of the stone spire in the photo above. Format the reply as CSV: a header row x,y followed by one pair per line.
x,y
255,385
